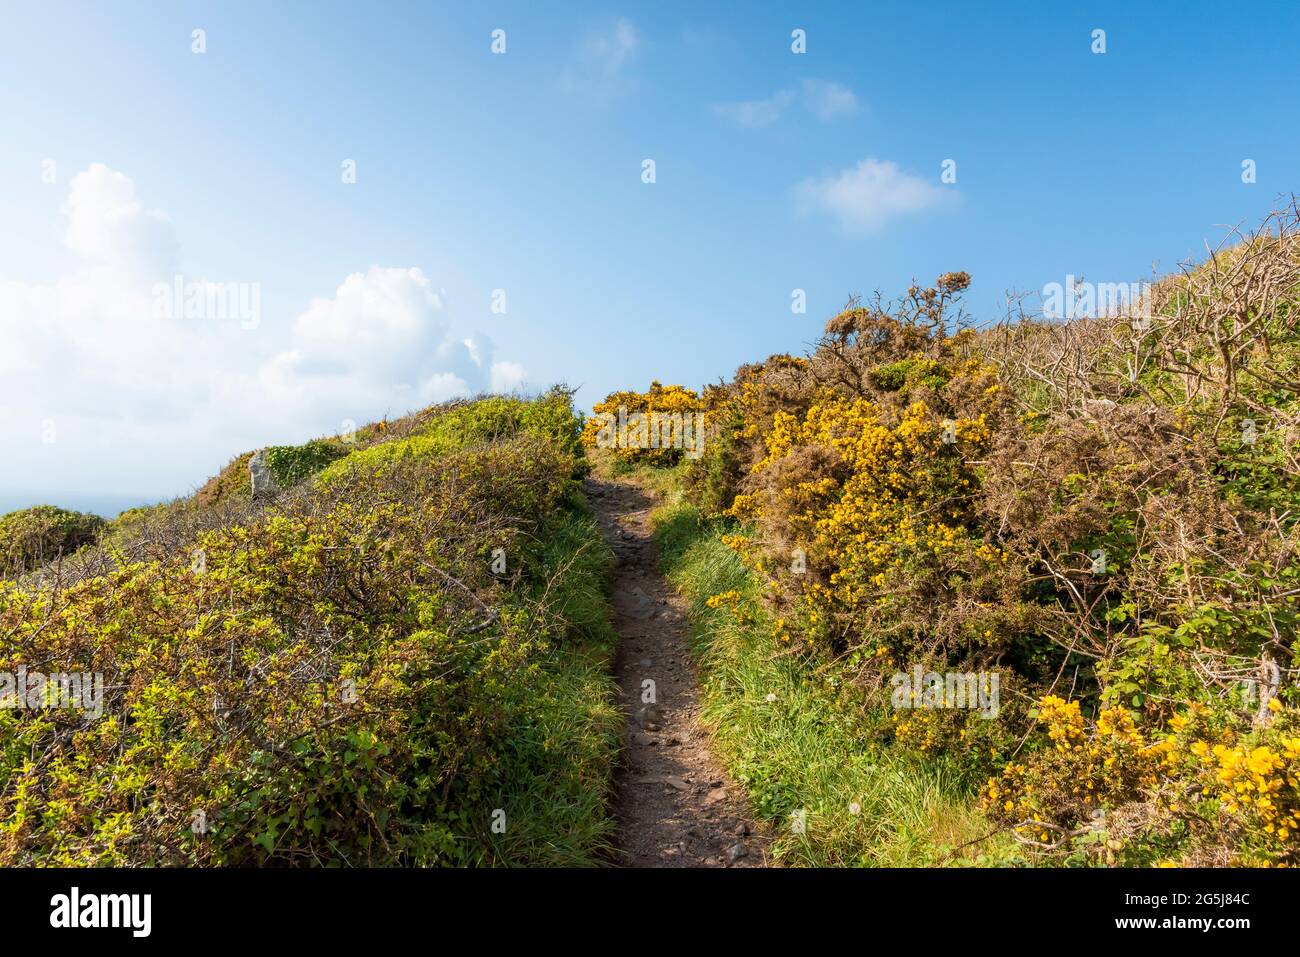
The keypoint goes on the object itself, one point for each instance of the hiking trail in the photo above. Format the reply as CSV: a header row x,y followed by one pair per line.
x,y
675,806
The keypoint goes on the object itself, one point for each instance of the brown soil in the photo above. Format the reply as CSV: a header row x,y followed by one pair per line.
x,y
675,806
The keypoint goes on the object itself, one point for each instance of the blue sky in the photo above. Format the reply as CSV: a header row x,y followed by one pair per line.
x,y
522,172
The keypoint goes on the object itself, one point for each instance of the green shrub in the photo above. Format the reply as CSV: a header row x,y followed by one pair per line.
x,y
33,536
342,679
290,464
549,417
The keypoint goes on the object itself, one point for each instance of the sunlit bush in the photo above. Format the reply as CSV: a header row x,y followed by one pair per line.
x,y
661,444
349,677
33,536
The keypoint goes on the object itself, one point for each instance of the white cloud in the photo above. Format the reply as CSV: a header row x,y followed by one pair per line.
x,y
822,98
866,196
142,402
756,113
612,51
107,225
507,376
380,326
827,100
603,60
380,343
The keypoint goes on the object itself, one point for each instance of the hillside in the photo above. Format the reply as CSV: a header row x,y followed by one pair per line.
x,y
1021,594
399,658
931,594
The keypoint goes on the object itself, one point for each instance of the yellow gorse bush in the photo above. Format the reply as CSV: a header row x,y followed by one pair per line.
x,y
1185,778
870,492
658,399
1084,773
1251,785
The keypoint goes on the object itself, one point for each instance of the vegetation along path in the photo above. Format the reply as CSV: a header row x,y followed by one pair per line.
x,y
675,806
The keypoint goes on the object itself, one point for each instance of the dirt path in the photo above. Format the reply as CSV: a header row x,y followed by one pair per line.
x,y
675,805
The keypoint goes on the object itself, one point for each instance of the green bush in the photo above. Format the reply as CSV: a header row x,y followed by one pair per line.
x,y
290,464
550,416
33,536
343,679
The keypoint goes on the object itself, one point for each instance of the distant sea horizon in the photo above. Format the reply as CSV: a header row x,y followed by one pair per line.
x,y
104,504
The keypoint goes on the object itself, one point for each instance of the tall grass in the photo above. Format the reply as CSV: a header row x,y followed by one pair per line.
x,y
568,726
